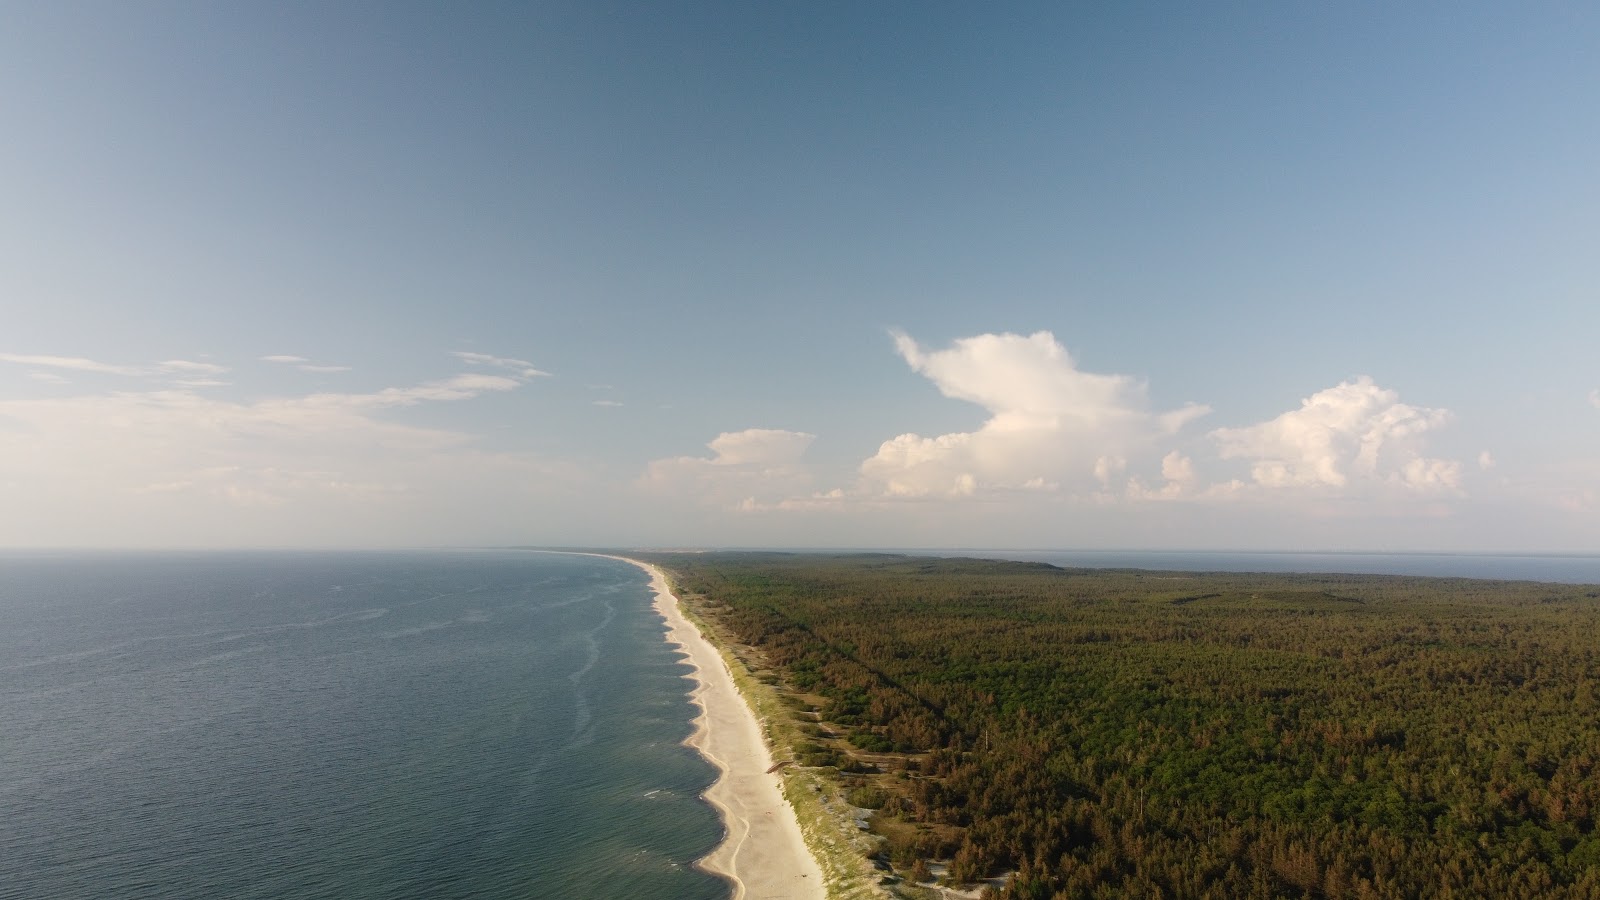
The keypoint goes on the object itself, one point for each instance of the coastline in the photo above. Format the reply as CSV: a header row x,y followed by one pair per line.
x,y
763,853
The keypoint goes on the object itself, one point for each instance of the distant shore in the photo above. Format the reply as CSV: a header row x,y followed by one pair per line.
x,y
763,853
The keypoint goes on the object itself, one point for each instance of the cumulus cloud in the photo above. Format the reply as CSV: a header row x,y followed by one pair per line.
x,y
759,446
747,469
1108,467
1177,468
1179,474
1050,423
1355,433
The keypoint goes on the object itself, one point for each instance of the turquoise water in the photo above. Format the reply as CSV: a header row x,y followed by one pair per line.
x,y
429,725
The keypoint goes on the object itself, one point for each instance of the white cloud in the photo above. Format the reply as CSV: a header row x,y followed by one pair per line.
x,y
201,382
190,367
460,387
612,403
1594,398
75,363
303,364
48,378
822,499
522,367
759,446
1050,422
1107,467
747,468
1486,460
1177,469
166,466
1355,433
1424,474
80,364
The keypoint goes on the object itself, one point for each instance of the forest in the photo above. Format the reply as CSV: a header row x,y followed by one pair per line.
x,y
1120,733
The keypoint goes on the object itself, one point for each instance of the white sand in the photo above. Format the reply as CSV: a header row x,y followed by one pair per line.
x,y
763,853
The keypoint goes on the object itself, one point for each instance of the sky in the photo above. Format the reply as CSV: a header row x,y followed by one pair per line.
x,y
1242,276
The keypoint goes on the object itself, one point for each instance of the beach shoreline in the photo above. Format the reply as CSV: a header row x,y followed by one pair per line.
x,y
763,853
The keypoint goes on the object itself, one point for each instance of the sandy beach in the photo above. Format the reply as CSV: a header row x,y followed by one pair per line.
x,y
763,852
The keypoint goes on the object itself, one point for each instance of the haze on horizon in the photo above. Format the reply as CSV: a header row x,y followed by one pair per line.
x,y
932,275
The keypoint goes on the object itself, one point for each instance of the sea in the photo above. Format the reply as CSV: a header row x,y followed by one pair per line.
x,y
453,724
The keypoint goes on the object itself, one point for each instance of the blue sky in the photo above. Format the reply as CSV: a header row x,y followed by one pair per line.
x,y
1251,276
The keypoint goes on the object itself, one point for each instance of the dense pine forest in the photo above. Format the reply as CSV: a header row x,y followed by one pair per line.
x,y
1110,733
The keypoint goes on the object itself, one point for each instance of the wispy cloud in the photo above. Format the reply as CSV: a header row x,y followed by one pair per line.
x,y
522,367
74,363
607,403
80,364
48,378
303,364
1594,398
191,367
323,464
460,387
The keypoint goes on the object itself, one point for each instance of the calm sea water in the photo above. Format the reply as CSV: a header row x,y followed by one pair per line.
x,y
429,725
1565,569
